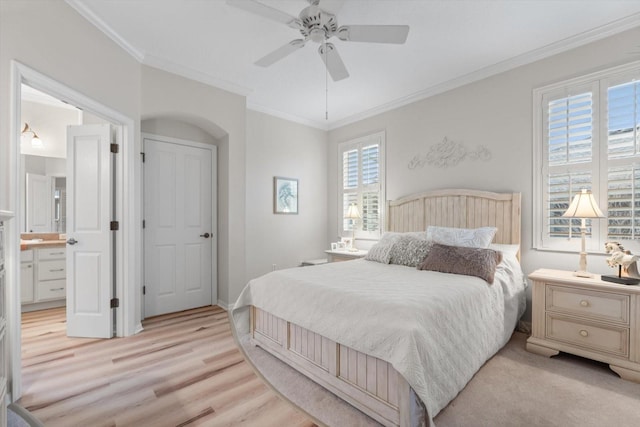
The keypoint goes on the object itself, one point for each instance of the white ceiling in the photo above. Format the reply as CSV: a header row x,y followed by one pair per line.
x,y
450,43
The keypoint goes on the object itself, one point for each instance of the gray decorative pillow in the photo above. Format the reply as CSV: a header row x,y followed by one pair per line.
x,y
393,236
477,262
409,251
380,252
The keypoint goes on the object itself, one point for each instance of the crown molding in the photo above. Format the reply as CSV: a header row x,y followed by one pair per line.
x,y
192,74
154,61
287,116
615,27
94,19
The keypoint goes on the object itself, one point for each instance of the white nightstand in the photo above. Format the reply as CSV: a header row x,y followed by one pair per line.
x,y
586,317
345,255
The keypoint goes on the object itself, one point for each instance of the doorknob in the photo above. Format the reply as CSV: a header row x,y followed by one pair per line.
x,y
72,241
205,235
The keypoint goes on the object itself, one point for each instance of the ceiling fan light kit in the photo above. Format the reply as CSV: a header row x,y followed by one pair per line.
x,y
318,25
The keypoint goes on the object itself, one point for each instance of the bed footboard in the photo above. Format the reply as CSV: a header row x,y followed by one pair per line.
x,y
370,384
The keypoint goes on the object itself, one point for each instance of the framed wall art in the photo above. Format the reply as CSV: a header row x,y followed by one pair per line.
x,y
285,195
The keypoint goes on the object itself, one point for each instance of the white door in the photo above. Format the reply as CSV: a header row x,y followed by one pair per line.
x,y
39,203
89,239
179,180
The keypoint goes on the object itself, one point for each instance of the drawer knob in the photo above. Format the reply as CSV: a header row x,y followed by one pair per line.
x,y
584,303
584,333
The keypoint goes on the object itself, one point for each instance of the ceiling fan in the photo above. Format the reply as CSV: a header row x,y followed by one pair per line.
x,y
319,26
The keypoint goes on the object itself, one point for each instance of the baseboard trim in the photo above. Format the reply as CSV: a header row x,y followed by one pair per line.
x,y
223,305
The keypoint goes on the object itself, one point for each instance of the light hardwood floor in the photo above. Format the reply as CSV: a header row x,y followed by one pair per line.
x,y
184,369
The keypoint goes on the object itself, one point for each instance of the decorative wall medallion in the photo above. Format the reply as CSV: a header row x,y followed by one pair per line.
x,y
448,153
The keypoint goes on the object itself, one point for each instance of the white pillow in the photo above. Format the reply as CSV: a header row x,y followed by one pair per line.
x,y
465,237
511,250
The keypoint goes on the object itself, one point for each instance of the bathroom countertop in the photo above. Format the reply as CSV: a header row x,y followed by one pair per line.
x,y
28,244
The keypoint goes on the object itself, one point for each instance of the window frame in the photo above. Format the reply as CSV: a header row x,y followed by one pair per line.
x,y
599,83
359,143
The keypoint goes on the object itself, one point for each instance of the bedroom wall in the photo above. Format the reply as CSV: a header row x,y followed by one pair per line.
x,y
496,113
177,129
277,147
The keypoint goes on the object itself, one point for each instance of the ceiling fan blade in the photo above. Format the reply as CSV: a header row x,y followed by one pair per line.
x,y
265,11
333,62
396,34
280,53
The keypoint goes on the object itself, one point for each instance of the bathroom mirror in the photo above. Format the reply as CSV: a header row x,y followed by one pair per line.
x,y
44,194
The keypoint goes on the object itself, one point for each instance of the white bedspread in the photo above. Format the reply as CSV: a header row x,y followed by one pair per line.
x,y
436,329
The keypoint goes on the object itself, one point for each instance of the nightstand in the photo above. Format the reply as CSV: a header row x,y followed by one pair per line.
x,y
586,317
346,255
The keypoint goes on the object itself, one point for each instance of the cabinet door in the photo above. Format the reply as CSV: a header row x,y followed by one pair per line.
x,y
26,282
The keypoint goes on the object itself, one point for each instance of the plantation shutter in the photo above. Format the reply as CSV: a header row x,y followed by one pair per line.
x,y
623,143
371,186
569,136
570,129
589,138
361,183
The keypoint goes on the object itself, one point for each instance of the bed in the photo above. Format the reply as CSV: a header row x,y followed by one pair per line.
x,y
361,330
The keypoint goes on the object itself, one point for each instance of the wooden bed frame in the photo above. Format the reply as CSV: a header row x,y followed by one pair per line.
x,y
370,384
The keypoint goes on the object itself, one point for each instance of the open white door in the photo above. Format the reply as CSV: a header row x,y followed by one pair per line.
x,y
179,236
89,239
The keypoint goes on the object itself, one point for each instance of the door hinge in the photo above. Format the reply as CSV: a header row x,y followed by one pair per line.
x,y
114,225
115,303
144,290
114,148
144,223
142,154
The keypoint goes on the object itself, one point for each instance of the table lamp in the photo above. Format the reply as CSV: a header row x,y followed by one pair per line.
x,y
353,214
583,206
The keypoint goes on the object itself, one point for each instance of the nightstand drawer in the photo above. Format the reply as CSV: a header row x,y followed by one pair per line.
x,y
602,338
592,304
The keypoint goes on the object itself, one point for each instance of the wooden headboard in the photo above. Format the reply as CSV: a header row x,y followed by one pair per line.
x,y
458,208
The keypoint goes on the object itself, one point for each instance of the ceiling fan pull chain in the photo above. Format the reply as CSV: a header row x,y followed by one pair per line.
x,y
326,84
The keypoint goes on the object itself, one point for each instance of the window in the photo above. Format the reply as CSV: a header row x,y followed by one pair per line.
x,y
587,135
361,182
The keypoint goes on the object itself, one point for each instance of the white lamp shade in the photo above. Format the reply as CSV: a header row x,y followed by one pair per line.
x,y
583,206
353,212
36,142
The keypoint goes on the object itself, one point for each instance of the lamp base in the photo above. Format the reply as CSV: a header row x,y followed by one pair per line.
x,y
353,249
621,280
585,274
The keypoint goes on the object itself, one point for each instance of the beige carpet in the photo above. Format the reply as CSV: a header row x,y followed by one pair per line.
x,y
514,388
